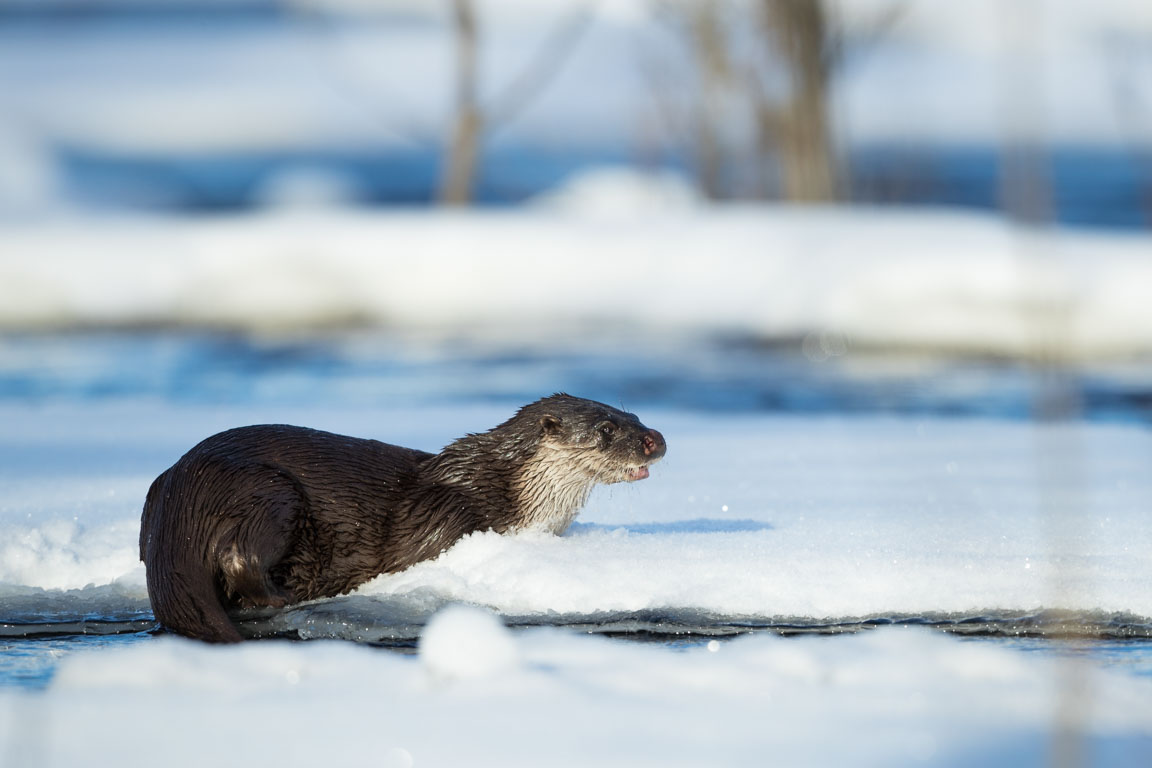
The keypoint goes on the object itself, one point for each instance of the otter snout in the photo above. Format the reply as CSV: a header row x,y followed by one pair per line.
x,y
654,445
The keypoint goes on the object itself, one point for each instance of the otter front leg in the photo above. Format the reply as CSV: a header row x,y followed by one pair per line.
x,y
431,521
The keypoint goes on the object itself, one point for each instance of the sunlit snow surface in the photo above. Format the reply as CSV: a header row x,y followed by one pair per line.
x,y
748,518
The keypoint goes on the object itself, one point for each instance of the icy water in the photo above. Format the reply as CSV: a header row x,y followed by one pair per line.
x,y
806,376
813,377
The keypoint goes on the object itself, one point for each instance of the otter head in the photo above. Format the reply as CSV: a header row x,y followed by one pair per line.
x,y
535,471
548,457
603,444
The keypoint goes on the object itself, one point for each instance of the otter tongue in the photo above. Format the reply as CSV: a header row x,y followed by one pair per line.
x,y
638,473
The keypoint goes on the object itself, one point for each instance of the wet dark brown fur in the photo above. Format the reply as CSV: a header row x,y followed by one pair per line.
x,y
272,515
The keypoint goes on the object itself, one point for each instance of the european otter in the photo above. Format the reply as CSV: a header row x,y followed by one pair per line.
x,y
273,515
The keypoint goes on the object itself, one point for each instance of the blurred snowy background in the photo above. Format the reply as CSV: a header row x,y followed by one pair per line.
x,y
865,175
226,105
840,198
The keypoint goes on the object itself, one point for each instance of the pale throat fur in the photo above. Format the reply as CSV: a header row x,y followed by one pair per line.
x,y
553,485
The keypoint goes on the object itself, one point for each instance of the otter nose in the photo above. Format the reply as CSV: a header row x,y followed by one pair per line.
x,y
654,444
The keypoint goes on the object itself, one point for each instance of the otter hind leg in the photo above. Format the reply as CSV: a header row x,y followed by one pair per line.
x,y
248,582
248,558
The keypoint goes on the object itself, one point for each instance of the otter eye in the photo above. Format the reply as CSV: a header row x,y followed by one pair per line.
x,y
607,429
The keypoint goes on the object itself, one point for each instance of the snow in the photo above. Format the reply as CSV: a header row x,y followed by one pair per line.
x,y
748,518
1065,72
620,194
466,642
895,697
972,284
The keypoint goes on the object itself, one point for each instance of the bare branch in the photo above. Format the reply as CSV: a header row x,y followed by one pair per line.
x,y
329,66
545,65
459,170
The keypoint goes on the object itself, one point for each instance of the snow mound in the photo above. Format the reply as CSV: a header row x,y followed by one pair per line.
x,y
466,642
620,193
64,554
875,279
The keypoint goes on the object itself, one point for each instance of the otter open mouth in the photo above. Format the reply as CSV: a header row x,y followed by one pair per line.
x,y
635,473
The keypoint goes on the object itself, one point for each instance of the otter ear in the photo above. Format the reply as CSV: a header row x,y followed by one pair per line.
x,y
550,424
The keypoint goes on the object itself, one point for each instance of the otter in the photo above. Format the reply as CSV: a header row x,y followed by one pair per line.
x,y
270,515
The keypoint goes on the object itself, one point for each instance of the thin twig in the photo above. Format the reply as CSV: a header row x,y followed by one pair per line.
x,y
545,65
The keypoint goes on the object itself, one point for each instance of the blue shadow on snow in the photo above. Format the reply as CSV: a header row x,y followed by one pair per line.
x,y
697,525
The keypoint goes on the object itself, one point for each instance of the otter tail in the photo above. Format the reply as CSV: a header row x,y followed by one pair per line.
x,y
182,584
